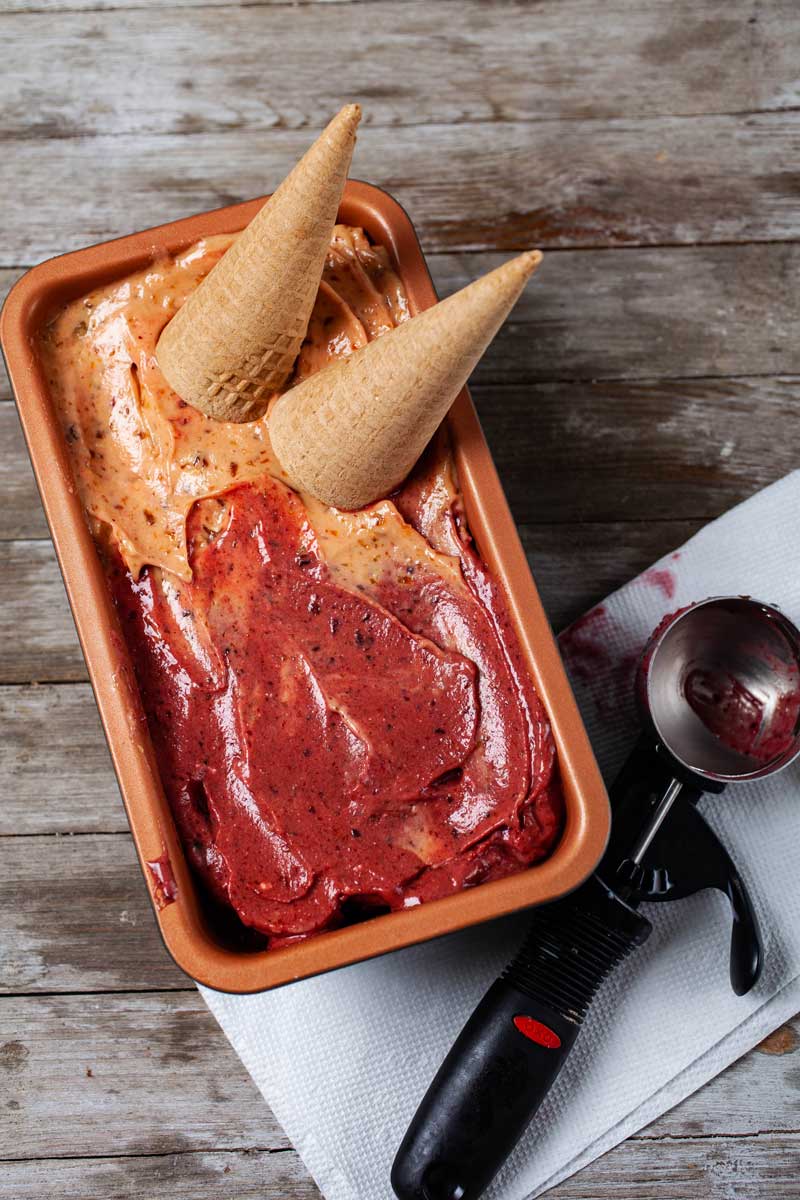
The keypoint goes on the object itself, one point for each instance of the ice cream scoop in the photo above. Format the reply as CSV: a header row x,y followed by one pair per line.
x,y
351,433
739,722
234,342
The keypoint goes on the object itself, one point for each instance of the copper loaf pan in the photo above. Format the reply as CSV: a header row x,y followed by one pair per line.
x,y
190,935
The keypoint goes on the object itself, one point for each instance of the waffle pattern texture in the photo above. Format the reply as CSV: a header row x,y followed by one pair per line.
x,y
351,433
233,343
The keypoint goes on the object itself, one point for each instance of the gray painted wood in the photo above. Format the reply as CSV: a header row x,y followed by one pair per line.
x,y
21,514
245,1175
90,928
572,183
212,69
714,1169
56,7
648,381
31,586
45,724
643,315
694,1169
53,733
128,1074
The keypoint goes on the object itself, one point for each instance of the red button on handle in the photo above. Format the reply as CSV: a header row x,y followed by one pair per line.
x,y
535,1031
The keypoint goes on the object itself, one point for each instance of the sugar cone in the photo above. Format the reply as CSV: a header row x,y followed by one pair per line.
x,y
351,433
235,340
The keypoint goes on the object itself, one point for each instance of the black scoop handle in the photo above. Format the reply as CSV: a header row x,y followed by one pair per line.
x,y
490,1086
484,1095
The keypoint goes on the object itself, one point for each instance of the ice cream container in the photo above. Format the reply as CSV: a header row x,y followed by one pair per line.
x,y
192,935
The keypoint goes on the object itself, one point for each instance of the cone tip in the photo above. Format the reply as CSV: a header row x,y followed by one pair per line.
x,y
350,115
530,260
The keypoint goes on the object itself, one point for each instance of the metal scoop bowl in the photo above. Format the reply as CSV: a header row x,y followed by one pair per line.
x,y
720,685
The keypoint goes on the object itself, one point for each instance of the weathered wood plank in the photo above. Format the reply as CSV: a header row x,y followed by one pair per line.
x,y
578,183
713,1168
54,734
89,928
204,71
590,316
33,603
716,1169
21,513
148,1074
556,469
645,314
552,445
247,1175
573,564
757,1093
688,449
680,313
8,276
550,442
105,6
530,175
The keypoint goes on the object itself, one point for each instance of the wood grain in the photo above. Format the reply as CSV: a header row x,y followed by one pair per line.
x,y
53,7
673,320
574,183
683,450
21,513
714,1169
550,444
576,566
8,276
708,1168
44,727
90,929
155,1069
409,64
32,599
747,1099
248,1175
643,314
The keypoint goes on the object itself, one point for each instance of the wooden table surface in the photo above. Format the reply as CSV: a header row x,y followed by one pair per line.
x,y
648,380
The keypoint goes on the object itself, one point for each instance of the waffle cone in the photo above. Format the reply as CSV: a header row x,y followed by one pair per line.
x,y
352,432
234,342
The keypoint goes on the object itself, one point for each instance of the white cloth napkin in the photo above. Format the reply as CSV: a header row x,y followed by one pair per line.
x,y
344,1059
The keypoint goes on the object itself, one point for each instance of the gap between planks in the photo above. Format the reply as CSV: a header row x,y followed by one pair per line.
x,y
493,62
641,182
789,1135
